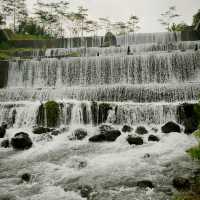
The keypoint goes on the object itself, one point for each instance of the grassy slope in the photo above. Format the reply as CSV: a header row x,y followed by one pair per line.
x,y
194,193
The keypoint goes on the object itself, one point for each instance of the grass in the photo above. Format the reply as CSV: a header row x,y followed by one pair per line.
x,y
6,54
27,37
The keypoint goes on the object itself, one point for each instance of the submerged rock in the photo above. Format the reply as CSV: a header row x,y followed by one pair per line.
x,y
85,191
5,143
108,136
127,128
141,130
171,127
135,140
55,132
26,177
80,134
145,184
155,130
41,130
21,141
153,138
181,183
3,128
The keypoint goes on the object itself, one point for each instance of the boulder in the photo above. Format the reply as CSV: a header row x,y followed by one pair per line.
x,y
147,155
181,183
188,116
126,128
3,128
153,138
26,177
135,140
109,40
80,134
108,136
21,141
141,130
85,191
171,127
41,130
145,184
5,143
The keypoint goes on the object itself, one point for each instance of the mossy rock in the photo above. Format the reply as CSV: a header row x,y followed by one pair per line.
x,y
52,113
109,40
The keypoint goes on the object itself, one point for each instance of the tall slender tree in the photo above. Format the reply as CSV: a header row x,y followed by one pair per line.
x,y
168,17
14,9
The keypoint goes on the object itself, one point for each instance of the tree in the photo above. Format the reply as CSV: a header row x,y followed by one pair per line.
x,y
178,27
16,9
2,22
167,18
78,20
196,20
106,24
120,28
132,23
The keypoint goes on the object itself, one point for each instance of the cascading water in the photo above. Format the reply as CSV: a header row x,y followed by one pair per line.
x,y
145,88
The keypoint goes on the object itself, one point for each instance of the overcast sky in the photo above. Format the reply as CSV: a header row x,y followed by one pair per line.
x,y
147,10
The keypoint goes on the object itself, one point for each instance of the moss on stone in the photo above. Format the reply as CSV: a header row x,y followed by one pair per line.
x,y
52,113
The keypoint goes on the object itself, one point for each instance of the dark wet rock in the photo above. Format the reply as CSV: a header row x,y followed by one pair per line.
x,y
141,130
153,138
135,140
7,197
181,183
188,116
126,128
21,141
147,155
41,130
171,127
26,177
5,143
145,184
103,111
40,119
80,134
155,130
85,190
100,112
108,136
3,128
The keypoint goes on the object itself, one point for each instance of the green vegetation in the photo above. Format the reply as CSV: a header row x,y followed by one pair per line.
x,y
6,54
52,113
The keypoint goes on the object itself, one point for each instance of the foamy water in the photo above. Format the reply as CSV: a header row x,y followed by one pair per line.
x,y
111,169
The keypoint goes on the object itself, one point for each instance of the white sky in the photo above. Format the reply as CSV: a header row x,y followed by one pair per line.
x,y
147,10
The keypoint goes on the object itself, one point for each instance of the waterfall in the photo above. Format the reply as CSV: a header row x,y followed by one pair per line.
x,y
137,69
145,87
141,38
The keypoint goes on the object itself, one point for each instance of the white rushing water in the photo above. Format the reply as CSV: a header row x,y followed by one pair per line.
x,y
145,88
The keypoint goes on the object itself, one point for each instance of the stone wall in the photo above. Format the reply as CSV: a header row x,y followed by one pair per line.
x,y
3,73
